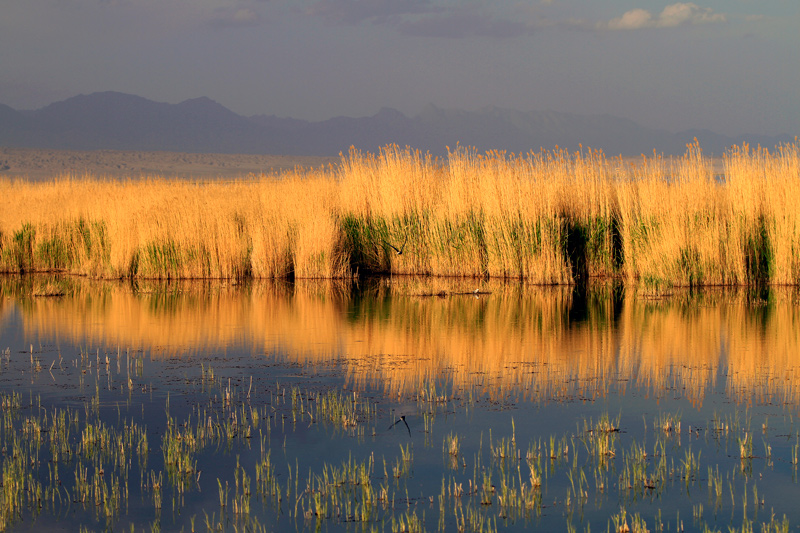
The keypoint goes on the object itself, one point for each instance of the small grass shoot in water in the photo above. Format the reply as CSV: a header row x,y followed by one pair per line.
x,y
114,470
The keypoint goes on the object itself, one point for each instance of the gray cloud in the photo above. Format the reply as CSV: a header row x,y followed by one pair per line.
x,y
235,17
673,15
420,18
377,11
462,23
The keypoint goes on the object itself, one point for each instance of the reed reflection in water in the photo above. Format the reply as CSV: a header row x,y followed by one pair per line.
x,y
540,343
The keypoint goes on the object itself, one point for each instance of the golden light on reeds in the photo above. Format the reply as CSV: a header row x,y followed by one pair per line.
x,y
549,217
517,339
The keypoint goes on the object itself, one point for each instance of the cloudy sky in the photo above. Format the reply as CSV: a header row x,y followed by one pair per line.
x,y
732,66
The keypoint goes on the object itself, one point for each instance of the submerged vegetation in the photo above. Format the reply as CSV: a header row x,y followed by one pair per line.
x,y
547,217
216,453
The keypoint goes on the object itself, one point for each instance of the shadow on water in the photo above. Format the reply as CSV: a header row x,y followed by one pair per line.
x,y
265,405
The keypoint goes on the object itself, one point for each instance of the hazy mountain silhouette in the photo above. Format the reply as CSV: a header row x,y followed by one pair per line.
x,y
112,120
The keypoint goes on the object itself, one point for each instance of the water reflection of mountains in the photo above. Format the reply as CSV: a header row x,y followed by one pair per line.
x,y
548,343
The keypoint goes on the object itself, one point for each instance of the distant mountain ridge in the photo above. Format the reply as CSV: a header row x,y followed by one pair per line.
x,y
119,121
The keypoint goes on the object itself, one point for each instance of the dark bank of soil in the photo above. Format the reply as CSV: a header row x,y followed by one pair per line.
x,y
43,164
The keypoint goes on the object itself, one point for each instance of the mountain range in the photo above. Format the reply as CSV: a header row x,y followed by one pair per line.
x,y
118,121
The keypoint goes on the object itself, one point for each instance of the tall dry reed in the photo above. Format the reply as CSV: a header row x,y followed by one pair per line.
x,y
549,217
155,228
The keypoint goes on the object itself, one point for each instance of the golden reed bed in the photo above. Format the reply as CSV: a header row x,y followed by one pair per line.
x,y
517,340
547,217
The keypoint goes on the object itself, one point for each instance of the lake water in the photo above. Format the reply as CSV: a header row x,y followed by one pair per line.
x,y
396,405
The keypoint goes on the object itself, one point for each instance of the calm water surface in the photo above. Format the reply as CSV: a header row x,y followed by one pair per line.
x,y
396,405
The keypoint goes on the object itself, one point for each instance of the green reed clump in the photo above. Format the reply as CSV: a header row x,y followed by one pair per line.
x,y
54,254
164,259
367,243
20,253
78,246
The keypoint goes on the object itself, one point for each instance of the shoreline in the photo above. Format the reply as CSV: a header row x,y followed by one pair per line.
x,y
37,164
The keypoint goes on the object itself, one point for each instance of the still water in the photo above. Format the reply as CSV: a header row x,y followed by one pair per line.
x,y
396,405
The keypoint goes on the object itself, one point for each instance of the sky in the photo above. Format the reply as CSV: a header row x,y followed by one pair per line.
x,y
731,66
